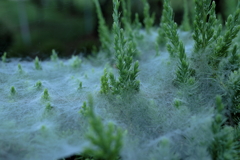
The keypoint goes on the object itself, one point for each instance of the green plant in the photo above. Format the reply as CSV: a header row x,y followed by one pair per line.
x,y
37,64
103,30
224,42
12,91
124,52
105,142
45,95
4,57
206,26
186,106
54,56
20,70
176,47
223,136
186,20
76,62
38,85
148,19
126,18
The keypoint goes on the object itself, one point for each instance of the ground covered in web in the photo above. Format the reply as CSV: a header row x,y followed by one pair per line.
x,y
39,108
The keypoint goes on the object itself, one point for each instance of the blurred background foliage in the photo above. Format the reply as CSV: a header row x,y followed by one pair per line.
x,y
30,28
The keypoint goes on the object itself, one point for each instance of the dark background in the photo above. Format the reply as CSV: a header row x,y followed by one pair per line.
x,y
30,28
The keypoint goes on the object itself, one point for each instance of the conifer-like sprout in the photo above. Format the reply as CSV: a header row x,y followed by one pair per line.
x,y
170,29
130,30
176,47
184,72
148,19
103,31
54,56
234,60
76,62
224,42
4,57
222,145
80,85
48,107
37,64
104,83
126,18
105,141
161,38
186,22
124,51
206,26
45,95
20,70
137,24
234,95
13,91
84,109
38,85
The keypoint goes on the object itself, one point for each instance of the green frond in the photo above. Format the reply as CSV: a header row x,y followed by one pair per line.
x,y
126,18
38,85
104,83
20,70
37,64
54,56
45,95
13,91
137,24
105,141
186,21
234,59
103,31
176,47
224,42
148,18
170,29
76,62
4,57
223,136
233,86
125,49
206,26
184,73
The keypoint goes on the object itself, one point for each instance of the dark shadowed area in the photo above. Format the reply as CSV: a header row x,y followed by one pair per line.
x,y
30,28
